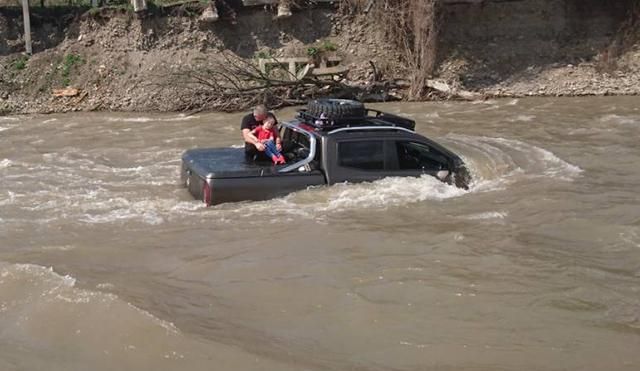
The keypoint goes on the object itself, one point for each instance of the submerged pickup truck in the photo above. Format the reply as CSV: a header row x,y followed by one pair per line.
x,y
331,141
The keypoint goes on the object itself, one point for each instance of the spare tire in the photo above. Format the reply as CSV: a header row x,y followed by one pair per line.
x,y
336,108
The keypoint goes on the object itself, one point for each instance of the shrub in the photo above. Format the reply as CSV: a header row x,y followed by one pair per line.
x,y
68,62
20,63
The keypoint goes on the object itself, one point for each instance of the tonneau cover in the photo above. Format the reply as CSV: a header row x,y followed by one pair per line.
x,y
225,163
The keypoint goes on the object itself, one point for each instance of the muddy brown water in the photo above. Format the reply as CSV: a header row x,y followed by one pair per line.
x,y
107,263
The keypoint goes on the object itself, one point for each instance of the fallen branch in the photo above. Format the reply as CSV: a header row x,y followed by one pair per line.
x,y
231,84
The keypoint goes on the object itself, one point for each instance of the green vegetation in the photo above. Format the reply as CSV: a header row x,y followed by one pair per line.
x,y
323,47
20,63
94,12
263,54
329,46
312,51
5,108
68,62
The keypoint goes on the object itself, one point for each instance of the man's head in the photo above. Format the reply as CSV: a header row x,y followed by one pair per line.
x,y
260,112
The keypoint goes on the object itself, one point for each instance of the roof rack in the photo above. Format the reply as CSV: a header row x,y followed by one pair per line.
x,y
371,118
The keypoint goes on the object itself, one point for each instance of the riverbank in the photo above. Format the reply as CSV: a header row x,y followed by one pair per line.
x,y
116,60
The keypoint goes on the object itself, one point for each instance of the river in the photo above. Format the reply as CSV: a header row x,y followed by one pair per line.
x,y
107,263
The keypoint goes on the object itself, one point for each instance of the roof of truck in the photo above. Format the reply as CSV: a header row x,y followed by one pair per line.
x,y
373,120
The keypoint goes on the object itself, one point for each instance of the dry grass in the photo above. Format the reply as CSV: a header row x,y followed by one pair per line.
x,y
413,27
627,36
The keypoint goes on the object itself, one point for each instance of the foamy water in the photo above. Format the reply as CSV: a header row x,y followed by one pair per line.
x,y
620,119
95,187
487,215
114,192
144,119
5,163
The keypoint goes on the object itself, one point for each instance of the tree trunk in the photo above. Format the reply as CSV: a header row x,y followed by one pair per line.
x,y
425,44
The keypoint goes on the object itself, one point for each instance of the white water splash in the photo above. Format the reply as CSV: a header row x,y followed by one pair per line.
x,y
497,162
7,127
121,209
431,116
620,120
522,118
11,198
5,163
58,247
144,119
150,217
487,102
487,215
83,187
319,202
8,118
130,119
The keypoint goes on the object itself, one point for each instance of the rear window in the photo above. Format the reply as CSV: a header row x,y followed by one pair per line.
x,y
295,139
364,155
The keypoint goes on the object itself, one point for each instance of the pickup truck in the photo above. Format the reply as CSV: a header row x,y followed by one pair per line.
x,y
332,141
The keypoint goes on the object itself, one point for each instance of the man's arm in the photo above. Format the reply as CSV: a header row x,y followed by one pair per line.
x,y
251,139
246,133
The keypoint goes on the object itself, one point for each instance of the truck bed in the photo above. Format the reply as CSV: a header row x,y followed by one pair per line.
x,y
225,163
218,175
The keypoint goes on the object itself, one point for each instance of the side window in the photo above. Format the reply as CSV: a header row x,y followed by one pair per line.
x,y
296,143
418,156
364,155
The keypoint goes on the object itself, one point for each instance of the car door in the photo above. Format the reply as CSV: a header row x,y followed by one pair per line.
x,y
413,158
359,160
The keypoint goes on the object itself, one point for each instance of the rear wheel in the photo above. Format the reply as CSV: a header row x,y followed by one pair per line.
x,y
336,108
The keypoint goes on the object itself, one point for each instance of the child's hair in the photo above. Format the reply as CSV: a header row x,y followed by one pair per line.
x,y
270,119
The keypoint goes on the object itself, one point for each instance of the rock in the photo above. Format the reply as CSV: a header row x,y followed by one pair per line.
x,y
469,95
402,83
209,15
395,95
439,85
284,11
66,92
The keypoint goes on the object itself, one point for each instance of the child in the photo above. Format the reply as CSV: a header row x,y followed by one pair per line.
x,y
267,135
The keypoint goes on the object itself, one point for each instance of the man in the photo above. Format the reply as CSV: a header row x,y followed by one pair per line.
x,y
253,147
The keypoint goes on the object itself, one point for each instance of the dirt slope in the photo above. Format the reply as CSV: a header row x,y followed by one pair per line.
x,y
118,60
